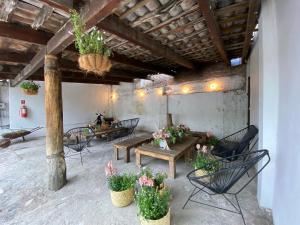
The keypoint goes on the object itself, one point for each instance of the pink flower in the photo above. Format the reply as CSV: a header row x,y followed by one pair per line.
x,y
109,169
209,134
204,149
145,181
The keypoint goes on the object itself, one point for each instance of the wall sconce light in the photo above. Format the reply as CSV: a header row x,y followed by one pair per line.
x,y
186,89
113,97
141,93
213,86
160,91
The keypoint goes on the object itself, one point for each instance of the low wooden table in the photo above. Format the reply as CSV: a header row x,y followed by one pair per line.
x,y
130,143
178,150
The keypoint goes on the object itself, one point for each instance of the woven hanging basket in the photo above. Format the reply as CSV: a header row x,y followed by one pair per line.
x,y
166,220
30,91
95,63
122,198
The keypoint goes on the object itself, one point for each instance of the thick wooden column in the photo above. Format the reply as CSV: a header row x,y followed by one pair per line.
x,y
54,125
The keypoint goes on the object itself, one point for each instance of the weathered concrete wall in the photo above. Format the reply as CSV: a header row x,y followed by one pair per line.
x,y
80,103
219,112
4,98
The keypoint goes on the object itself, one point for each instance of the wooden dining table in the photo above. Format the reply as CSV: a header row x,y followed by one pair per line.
x,y
176,151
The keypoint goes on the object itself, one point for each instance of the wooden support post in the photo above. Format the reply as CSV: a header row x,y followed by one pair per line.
x,y
54,125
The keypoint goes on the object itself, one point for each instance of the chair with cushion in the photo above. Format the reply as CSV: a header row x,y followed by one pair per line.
x,y
236,143
77,140
223,181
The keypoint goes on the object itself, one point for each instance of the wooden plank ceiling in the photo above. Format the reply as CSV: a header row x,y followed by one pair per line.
x,y
146,36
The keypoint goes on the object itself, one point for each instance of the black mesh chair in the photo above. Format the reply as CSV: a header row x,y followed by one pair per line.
x,y
223,181
77,139
236,143
128,125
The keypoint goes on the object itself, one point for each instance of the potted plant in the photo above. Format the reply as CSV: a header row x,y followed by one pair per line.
x,y
153,206
121,186
94,54
147,178
30,87
205,164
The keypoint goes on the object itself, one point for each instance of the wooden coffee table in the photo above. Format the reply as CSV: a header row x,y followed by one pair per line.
x,y
177,150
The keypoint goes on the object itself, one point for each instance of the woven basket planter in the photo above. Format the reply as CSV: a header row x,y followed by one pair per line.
x,y
95,63
200,173
30,91
4,143
122,198
166,220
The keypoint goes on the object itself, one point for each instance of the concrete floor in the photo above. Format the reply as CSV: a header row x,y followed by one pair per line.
x,y
85,200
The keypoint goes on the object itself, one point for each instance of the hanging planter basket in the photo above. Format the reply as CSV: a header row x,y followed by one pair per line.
x,y
95,63
30,91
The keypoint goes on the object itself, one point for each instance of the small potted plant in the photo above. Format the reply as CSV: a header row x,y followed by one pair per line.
x,y
121,186
212,141
30,87
205,164
94,54
153,206
147,178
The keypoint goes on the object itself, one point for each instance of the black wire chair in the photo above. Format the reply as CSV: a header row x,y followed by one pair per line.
x,y
228,174
128,125
77,139
239,142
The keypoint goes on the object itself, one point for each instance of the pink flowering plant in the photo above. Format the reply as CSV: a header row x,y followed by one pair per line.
x,y
119,182
205,161
148,179
171,134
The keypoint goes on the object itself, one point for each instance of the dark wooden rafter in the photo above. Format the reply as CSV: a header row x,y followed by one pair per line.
x,y
213,28
117,27
251,22
91,14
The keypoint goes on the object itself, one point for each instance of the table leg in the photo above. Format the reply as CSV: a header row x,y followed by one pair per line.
x,y
138,159
127,156
172,168
116,153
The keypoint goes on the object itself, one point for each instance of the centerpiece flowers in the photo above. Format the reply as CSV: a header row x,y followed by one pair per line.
x,y
170,135
121,186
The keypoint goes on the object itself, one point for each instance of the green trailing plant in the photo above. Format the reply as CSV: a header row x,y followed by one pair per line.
x,y
206,162
213,141
88,43
152,204
121,182
30,85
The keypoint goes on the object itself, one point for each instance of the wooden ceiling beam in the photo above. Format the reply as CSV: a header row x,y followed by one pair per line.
x,y
91,14
251,22
117,27
213,28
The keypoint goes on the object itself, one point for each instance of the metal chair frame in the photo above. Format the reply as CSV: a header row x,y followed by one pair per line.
x,y
242,167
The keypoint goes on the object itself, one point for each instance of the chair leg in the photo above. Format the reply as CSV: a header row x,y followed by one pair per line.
x,y
241,212
191,195
81,159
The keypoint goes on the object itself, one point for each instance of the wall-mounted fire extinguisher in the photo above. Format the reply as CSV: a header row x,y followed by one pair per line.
x,y
23,109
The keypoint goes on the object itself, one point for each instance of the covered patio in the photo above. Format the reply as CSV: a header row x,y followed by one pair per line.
x,y
151,112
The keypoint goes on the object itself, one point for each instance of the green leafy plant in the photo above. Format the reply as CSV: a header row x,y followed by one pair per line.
x,y
121,182
30,85
157,178
88,43
206,162
152,204
213,141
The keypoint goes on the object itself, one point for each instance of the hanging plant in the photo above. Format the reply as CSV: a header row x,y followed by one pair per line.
x,y
30,87
94,54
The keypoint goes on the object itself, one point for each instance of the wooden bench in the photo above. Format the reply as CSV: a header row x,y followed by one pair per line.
x,y
129,144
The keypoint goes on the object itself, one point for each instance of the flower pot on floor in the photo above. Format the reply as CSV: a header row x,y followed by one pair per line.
x,y
166,220
122,198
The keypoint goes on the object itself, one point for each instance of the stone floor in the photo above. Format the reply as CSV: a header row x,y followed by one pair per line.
x,y
85,200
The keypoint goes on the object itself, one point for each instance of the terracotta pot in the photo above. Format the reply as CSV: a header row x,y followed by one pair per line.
x,y
122,198
166,220
95,63
29,91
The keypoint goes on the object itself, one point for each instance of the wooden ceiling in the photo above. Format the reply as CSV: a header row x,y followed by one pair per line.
x,y
146,36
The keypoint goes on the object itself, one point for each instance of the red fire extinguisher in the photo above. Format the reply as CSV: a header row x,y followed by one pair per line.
x,y
23,109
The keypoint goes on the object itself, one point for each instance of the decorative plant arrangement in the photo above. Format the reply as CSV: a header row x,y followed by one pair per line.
x,y
153,206
205,163
121,186
212,141
30,87
94,54
170,135
147,178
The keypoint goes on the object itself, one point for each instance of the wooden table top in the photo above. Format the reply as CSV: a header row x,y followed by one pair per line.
x,y
134,140
176,149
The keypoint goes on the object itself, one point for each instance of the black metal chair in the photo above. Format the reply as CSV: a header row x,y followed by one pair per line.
x,y
229,173
128,125
77,139
239,142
